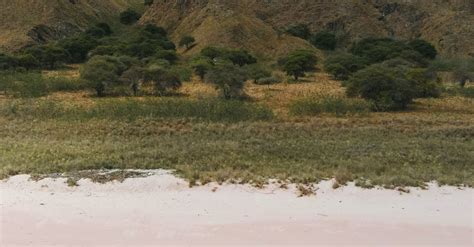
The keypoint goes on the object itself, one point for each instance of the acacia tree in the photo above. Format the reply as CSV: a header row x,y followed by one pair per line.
x,y
133,76
201,66
299,62
229,79
187,41
164,81
100,73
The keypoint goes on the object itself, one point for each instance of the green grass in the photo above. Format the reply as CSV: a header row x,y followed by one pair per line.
x,y
34,84
122,134
130,109
467,92
340,106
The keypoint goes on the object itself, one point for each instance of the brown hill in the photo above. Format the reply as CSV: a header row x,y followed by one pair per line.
x,y
27,21
255,24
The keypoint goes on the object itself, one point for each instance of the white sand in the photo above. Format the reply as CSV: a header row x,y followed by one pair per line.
x,y
162,210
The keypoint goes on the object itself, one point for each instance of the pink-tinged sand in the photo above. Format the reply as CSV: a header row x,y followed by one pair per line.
x,y
162,210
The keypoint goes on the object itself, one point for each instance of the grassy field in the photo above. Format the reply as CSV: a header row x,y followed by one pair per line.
x,y
204,139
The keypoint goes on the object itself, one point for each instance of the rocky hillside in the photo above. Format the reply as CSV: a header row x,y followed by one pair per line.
x,y
258,24
26,21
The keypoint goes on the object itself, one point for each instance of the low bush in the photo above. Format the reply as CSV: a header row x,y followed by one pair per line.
x,y
467,92
324,40
299,30
129,17
23,85
425,48
337,105
257,72
424,82
229,80
342,65
267,81
387,88
299,62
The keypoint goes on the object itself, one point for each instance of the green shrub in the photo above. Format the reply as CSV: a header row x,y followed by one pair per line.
x,y
187,41
240,57
164,81
299,62
299,30
213,52
78,47
183,72
414,57
387,88
201,65
342,65
267,81
257,72
102,73
378,50
425,48
467,92
62,84
324,40
49,56
169,55
24,85
34,84
28,61
337,105
129,17
237,57
424,83
148,2
228,79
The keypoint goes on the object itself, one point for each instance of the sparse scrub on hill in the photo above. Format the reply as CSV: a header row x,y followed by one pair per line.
x,y
129,17
424,48
187,41
299,30
238,57
148,2
382,49
324,40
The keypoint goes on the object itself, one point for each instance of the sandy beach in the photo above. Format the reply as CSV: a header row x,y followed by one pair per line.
x,y
162,210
